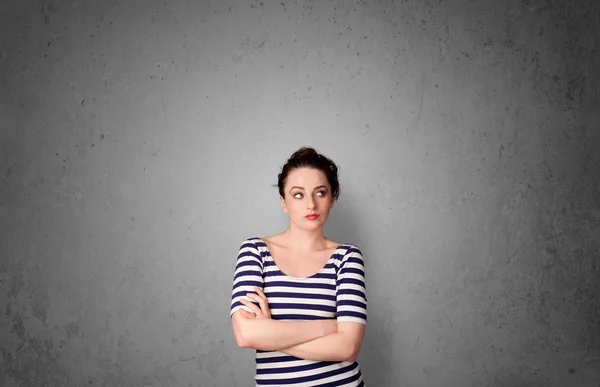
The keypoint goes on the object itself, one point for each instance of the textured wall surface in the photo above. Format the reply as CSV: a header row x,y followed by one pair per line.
x,y
138,144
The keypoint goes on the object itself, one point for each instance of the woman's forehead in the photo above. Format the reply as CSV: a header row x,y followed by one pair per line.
x,y
306,176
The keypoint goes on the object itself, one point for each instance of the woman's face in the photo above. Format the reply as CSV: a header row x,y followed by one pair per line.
x,y
307,192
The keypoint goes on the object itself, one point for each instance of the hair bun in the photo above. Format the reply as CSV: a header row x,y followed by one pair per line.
x,y
305,152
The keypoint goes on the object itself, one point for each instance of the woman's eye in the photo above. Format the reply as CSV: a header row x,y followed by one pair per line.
x,y
299,195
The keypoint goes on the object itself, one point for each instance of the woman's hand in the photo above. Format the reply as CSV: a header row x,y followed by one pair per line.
x,y
262,312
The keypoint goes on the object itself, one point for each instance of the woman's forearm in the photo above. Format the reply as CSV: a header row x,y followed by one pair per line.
x,y
333,347
273,335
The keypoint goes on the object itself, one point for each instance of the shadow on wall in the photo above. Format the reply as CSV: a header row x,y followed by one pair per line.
x,y
376,355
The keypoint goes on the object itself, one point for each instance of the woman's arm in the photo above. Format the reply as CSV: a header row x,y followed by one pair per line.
x,y
340,346
272,335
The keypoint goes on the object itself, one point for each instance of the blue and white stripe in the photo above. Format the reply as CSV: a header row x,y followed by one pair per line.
x,y
335,292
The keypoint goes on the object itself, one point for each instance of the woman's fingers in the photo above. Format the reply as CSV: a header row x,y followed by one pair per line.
x,y
262,301
247,314
264,305
253,297
257,311
256,298
260,292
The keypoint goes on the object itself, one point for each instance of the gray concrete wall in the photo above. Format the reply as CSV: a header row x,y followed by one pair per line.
x,y
139,142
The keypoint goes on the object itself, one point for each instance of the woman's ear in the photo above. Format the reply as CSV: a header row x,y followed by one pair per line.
x,y
283,207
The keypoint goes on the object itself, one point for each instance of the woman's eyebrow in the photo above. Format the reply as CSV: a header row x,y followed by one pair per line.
x,y
302,188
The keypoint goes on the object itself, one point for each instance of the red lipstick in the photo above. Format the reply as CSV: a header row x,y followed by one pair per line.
x,y
312,216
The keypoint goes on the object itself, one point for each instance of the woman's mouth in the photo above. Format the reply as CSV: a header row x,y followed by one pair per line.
x,y
312,216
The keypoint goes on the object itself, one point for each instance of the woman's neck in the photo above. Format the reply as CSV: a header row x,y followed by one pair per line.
x,y
303,241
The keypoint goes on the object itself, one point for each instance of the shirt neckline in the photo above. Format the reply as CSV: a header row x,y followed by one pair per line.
x,y
301,278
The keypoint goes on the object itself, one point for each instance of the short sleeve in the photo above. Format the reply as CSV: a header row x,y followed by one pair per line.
x,y
248,273
351,295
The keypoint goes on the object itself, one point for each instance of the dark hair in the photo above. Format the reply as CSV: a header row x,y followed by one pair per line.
x,y
307,157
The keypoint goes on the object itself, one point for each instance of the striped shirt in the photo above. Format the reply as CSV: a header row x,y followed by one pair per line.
x,y
337,291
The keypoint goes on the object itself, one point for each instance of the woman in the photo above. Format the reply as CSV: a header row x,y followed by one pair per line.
x,y
299,298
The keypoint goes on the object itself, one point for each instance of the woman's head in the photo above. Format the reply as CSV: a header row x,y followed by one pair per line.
x,y
306,157
308,184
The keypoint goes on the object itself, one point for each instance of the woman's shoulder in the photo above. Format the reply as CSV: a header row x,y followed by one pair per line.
x,y
275,239
348,247
253,242
346,251
270,242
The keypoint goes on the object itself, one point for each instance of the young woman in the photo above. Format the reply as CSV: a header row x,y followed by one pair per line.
x,y
299,298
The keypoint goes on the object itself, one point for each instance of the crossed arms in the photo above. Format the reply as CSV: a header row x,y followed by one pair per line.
x,y
318,340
